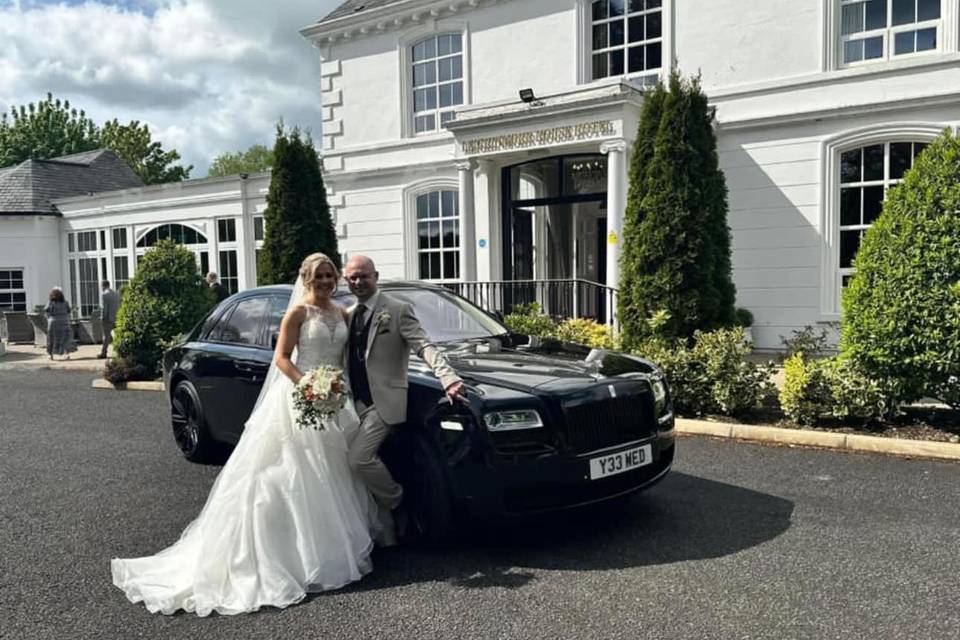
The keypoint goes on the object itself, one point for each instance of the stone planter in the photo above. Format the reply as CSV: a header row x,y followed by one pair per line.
x,y
18,327
88,330
39,322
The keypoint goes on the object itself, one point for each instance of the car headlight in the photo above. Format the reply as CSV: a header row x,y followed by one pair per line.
x,y
513,420
659,395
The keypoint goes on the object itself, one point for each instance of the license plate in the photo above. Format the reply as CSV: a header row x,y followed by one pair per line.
x,y
620,462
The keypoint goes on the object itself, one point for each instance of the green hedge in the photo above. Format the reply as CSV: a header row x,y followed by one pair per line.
x,y
835,387
165,298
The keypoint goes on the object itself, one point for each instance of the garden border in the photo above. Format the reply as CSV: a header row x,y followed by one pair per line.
x,y
824,439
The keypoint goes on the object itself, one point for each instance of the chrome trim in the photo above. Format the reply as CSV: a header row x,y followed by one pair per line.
x,y
667,417
622,445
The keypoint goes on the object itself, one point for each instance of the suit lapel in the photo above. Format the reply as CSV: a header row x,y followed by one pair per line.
x,y
374,323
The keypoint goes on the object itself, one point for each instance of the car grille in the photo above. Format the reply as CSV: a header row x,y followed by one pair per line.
x,y
606,423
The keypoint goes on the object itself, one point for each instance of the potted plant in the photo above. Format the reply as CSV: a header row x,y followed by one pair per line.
x,y
91,328
744,319
38,319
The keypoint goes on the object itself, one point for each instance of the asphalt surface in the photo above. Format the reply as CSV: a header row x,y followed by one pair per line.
x,y
741,541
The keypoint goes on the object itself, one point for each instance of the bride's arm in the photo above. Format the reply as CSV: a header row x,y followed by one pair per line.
x,y
287,342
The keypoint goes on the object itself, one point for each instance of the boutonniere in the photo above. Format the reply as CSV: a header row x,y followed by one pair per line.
x,y
382,321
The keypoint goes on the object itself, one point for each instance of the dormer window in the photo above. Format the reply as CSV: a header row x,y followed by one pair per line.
x,y
626,37
437,80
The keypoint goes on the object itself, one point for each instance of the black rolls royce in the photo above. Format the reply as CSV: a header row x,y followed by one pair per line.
x,y
548,425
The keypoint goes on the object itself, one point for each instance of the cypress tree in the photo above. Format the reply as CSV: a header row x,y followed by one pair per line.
x,y
677,244
297,219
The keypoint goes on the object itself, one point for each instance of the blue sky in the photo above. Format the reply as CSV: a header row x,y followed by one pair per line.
x,y
208,76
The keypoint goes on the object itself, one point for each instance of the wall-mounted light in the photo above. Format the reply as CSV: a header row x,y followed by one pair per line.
x,y
528,96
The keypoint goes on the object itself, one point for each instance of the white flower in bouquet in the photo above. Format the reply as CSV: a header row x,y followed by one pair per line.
x,y
319,395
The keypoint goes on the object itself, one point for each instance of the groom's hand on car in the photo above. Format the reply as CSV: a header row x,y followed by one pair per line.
x,y
456,391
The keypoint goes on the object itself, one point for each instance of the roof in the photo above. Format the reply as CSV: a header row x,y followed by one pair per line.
x,y
31,186
353,7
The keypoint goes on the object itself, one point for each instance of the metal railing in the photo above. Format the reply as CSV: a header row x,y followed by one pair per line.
x,y
560,298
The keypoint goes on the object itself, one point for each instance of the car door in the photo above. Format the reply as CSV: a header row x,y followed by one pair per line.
x,y
243,361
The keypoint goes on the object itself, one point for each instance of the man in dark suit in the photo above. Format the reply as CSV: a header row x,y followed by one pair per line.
x,y
218,289
109,305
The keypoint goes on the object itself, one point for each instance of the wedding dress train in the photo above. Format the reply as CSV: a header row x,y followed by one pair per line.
x,y
285,516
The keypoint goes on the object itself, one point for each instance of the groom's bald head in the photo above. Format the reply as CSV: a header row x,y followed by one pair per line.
x,y
362,276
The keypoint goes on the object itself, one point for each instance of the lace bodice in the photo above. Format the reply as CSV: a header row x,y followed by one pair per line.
x,y
323,336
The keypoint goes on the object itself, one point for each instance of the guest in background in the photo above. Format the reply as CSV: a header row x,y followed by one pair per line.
x,y
218,289
59,334
110,304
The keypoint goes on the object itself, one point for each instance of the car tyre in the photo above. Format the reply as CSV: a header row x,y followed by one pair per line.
x,y
428,501
190,426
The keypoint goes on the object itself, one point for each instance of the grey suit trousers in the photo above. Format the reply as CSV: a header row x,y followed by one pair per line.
x,y
365,459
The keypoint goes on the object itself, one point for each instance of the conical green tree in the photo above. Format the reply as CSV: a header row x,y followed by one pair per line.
x,y
676,256
901,311
297,219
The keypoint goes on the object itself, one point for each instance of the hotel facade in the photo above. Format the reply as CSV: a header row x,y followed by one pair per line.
x,y
485,143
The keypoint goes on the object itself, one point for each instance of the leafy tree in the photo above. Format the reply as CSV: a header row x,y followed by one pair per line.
x,y
45,129
676,259
52,128
255,159
135,145
297,219
165,298
901,310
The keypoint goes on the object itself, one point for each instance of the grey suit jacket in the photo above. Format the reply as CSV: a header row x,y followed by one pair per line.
x,y
395,331
110,304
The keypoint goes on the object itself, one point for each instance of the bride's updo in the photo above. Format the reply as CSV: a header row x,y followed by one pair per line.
x,y
309,266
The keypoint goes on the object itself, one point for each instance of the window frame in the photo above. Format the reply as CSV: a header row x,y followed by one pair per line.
x,y
831,274
948,33
405,45
584,45
12,291
411,237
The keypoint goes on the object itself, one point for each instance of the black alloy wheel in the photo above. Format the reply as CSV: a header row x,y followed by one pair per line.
x,y
189,425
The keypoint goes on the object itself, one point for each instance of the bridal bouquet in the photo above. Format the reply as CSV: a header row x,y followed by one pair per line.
x,y
318,396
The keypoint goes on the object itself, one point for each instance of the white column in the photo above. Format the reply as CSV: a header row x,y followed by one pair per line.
x,y
486,223
468,241
616,152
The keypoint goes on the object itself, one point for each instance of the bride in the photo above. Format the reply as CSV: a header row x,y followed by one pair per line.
x,y
285,516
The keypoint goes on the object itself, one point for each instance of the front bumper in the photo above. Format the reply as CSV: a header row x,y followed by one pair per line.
x,y
507,485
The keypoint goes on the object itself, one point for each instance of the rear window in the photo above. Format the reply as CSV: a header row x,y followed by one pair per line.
x,y
242,325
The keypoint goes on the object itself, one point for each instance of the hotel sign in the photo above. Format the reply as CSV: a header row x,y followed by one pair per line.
x,y
539,137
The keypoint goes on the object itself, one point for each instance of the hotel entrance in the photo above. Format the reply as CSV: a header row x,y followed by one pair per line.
x,y
554,235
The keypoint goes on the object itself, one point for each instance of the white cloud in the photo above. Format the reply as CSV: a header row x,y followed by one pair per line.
x,y
208,76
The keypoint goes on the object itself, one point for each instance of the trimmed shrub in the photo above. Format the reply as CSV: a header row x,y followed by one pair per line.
x,y
829,387
743,317
585,332
529,320
808,342
297,219
676,243
165,298
901,311
714,375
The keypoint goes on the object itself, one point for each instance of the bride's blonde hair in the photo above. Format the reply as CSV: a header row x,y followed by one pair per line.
x,y
309,266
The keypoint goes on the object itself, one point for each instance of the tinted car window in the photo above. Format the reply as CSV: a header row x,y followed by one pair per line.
x,y
445,316
278,306
242,327
214,324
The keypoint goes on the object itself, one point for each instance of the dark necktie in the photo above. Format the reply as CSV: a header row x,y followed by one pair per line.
x,y
357,329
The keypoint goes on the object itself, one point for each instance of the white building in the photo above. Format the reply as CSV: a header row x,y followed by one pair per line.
x,y
439,170
70,222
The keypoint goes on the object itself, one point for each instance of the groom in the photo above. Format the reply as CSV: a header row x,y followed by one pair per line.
x,y
383,332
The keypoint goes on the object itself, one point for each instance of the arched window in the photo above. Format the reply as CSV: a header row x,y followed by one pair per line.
x,y
181,234
860,167
438,235
437,80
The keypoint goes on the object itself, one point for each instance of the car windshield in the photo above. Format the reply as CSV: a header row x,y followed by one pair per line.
x,y
446,317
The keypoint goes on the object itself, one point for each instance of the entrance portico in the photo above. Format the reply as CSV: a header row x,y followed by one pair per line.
x,y
543,188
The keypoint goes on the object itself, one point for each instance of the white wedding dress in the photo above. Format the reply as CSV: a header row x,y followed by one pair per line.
x,y
286,516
